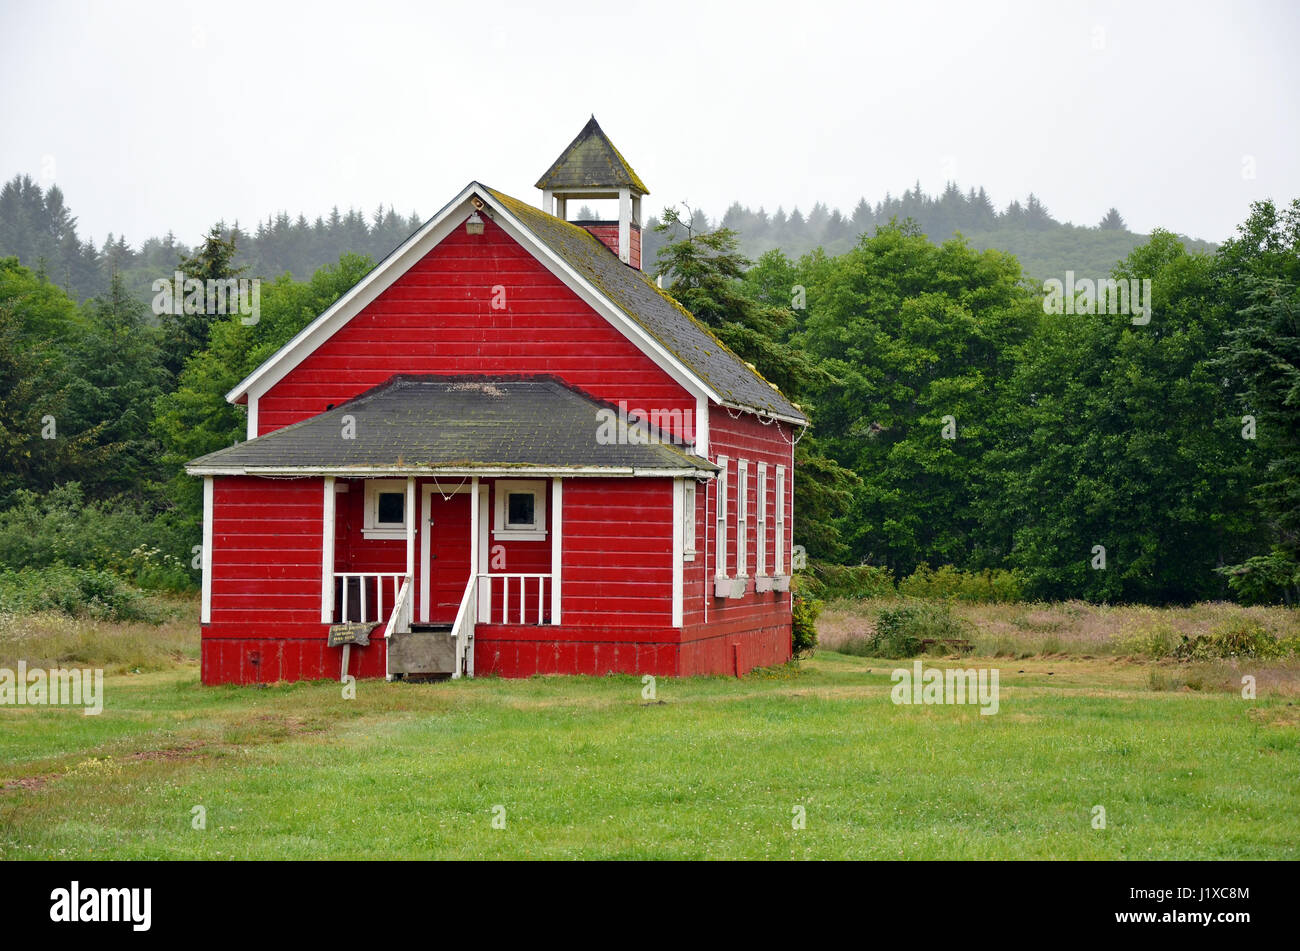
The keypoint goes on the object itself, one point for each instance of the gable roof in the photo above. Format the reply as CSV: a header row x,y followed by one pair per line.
x,y
658,325
418,423
636,295
591,161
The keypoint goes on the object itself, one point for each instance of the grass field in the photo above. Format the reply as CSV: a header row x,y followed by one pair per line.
x,y
713,767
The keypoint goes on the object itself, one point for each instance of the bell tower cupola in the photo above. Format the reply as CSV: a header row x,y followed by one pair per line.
x,y
591,168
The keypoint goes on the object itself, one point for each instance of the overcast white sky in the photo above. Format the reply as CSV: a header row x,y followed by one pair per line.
x,y
158,116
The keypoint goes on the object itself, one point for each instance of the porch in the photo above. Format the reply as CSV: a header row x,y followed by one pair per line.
x,y
432,578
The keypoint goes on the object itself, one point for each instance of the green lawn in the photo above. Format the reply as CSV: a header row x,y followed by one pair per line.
x,y
585,767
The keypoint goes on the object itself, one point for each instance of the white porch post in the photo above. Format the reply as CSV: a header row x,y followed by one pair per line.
x,y
410,539
473,567
327,554
557,547
624,225
473,526
484,551
205,559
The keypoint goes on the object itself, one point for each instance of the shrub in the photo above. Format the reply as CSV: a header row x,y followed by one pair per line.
x,y
62,528
900,630
75,592
857,582
805,611
1237,638
949,583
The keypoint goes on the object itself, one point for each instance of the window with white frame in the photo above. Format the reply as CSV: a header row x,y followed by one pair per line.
x,y
742,520
520,510
721,534
688,521
760,541
385,509
778,561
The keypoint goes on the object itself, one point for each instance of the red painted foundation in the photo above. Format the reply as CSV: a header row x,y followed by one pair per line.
x,y
512,651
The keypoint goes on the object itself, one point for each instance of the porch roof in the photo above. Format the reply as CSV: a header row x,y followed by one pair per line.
x,y
416,424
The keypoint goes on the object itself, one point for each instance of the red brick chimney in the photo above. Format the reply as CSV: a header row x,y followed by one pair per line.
x,y
607,232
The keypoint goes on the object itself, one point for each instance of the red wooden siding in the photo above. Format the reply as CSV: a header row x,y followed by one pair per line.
x,y
758,624
438,318
618,552
520,651
266,586
266,553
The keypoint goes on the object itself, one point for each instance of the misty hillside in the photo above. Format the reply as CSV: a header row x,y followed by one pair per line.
x,y
1045,247
38,227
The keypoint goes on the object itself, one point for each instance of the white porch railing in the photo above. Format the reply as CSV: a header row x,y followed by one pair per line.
x,y
523,598
400,621
462,630
361,598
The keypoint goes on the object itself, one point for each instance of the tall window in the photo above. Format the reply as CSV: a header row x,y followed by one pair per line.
x,y
779,559
742,521
721,534
760,540
688,521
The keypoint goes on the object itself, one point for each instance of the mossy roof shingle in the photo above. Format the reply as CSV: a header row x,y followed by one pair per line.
x,y
591,161
455,422
657,313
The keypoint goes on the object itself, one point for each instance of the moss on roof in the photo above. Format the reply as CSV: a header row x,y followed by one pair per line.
x,y
591,161
467,421
654,310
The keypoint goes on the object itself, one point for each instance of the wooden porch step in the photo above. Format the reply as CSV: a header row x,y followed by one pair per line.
x,y
422,652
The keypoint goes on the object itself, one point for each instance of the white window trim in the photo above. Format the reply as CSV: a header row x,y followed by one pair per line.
x,y
679,542
504,488
778,564
370,524
742,520
720,530
760,541
688,520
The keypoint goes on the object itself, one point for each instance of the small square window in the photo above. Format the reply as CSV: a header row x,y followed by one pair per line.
x,y
520,508
385,509
391,508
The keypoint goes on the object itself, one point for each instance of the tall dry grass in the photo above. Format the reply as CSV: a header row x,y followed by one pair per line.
x,y
51,639
1070,627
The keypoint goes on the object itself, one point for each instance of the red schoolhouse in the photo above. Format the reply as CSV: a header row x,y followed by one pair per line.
x,y
507,451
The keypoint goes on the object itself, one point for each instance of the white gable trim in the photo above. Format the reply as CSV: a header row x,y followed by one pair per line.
x,y
379,279
383,275
603,305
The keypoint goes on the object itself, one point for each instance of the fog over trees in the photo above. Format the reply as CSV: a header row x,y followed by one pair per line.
x,y
956,420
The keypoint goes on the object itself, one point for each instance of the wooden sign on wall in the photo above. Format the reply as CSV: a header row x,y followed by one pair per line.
x,y
352,633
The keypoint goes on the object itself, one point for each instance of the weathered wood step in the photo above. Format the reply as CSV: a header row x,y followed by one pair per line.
x,y
422,652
